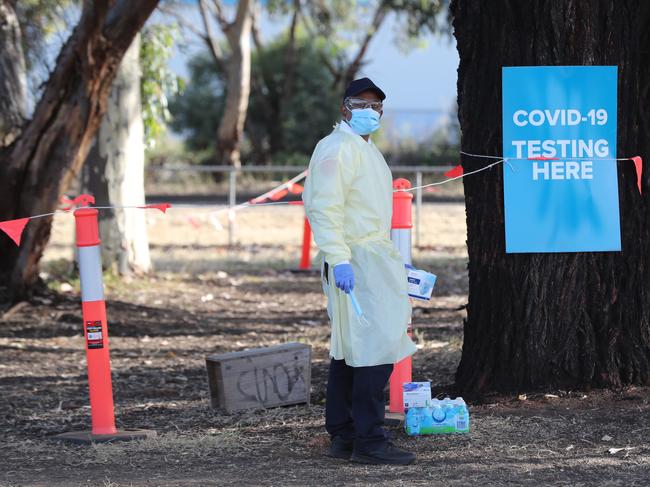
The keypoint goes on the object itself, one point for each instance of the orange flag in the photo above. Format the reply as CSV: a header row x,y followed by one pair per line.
x,y
638,165
279,195
158,206
14,228
455,172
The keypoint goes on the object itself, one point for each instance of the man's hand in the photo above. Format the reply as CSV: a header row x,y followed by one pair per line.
x,y
344,277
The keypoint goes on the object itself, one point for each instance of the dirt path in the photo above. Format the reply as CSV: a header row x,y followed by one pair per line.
x,y
161,330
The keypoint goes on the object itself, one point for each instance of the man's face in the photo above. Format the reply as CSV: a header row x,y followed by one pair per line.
x,y
357,101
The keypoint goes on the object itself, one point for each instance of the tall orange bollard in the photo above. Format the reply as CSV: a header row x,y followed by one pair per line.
x,y
96,337
401,236
305,259
94,318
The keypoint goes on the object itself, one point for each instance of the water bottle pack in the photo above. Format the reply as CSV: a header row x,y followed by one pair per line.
x,y
438,417
426,416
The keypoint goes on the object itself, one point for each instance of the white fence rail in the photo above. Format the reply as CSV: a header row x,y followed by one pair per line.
x,y
417,171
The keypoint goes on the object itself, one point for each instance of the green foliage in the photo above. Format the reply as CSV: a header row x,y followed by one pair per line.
x,y
308,111
158,82
198,110
281,126
339,23
420,16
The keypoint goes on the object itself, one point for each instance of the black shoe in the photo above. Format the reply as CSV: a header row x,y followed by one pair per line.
x,y
386,454
340,448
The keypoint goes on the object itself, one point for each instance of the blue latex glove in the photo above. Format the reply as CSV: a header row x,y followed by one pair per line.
x,y
344,277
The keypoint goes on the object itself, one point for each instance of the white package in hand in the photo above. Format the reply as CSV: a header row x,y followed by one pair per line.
x,y
421,283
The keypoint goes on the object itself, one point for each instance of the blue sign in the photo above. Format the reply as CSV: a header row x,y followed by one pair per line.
x,y
559,143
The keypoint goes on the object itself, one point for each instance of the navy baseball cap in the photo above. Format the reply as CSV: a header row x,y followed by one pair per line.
x,y
358,86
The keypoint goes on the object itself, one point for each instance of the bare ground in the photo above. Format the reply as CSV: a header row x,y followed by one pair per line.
x,y
208,299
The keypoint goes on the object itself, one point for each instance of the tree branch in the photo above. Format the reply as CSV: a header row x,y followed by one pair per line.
x,y
217,11
181,20
377,21
257,39
208,37
311,31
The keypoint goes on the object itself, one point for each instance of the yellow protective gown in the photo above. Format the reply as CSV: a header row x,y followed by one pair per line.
x,y
349,203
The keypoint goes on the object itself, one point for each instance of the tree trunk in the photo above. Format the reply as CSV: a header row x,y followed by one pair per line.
x,y
13,75
114,171
231,127
37,168
537,321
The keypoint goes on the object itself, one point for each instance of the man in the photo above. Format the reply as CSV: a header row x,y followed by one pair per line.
x,y
348,200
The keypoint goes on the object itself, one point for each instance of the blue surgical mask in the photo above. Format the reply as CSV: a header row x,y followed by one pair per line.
x,y
364,121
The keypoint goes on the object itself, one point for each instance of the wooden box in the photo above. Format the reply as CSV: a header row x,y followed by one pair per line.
x,y
261,377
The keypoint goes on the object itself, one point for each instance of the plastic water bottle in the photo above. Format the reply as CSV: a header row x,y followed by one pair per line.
x,y
412,421
427,417
440,416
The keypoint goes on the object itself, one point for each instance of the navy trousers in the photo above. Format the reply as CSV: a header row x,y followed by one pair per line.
x,y
355,403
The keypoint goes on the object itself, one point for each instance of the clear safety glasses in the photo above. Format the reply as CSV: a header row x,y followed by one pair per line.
x,y
357,103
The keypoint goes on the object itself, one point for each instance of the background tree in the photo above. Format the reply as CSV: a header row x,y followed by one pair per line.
x,y
38,165
136,115
25,27
330,38
114,171
158,82
13,74
234,60
308,116
44,24
552,320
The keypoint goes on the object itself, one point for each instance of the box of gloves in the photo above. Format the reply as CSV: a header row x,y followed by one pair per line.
x,y
416,394
420,283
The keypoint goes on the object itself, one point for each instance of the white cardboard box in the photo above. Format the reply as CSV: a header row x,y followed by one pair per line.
x,y
416,394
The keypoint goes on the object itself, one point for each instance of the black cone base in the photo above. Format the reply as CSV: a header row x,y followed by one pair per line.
x,y
86,437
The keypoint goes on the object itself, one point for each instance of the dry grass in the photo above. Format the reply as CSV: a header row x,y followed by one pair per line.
x,y
186,241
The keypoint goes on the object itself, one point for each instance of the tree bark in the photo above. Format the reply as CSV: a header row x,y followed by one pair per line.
x,y
37,168
13,75
537,321
231,127
114,171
